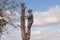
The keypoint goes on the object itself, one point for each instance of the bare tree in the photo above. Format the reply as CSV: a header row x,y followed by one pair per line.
x,y
7,6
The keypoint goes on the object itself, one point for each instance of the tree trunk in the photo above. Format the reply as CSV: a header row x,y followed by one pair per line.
x,y
23,21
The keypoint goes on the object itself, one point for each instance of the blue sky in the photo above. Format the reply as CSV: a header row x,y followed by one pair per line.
x,y
41,5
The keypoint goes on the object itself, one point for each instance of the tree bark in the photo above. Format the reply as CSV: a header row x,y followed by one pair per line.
x,y
23,21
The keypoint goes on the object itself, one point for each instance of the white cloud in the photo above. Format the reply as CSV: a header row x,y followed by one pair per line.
x,y
35,33
45,35
51,16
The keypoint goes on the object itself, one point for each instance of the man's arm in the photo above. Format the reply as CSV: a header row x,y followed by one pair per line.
x,y
29,16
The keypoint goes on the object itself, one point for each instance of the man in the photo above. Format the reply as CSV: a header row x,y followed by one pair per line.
x,y
30,22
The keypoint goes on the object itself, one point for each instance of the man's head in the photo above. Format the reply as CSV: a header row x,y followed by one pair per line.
x,y
30,11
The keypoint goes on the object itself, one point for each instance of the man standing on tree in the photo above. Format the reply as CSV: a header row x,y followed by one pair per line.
x,y
30,22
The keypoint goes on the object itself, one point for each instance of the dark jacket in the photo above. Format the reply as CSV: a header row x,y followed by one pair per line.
x,y
30,18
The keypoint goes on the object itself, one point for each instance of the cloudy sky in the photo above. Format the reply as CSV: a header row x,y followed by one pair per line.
x,y
46,24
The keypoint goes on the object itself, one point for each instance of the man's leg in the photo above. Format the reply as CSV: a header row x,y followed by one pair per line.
x,y
29,29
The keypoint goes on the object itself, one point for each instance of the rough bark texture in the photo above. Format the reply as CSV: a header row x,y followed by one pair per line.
x,y
23,21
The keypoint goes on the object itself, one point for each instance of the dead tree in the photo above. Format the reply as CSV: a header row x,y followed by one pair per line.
x,y
23,21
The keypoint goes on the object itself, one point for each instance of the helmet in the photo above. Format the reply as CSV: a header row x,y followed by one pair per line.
x,y
30,10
